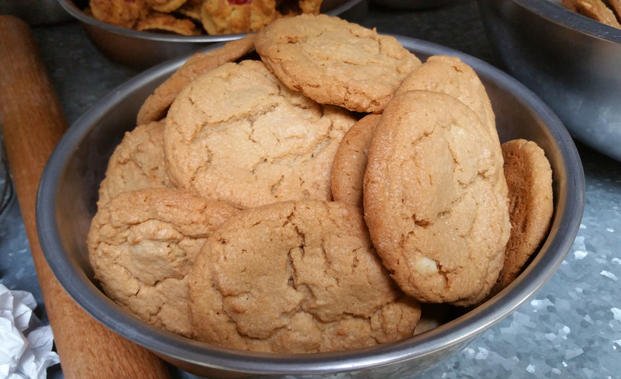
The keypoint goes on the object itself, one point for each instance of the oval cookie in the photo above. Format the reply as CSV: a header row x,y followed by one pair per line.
x,y
435,212
529,178
237,134
156,105
350,161
141,247
296,277
335,62
137,163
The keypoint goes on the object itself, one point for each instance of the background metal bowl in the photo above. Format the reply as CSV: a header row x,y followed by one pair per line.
x,y
145,49
571,61
68,193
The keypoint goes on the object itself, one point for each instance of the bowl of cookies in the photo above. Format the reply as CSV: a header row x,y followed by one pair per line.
x,y
143,33
568,55
316,198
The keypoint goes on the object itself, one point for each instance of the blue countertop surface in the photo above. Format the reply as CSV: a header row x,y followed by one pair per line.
x,y
571,328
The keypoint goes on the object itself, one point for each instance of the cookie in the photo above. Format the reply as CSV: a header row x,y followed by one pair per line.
x,y
350,161
230,17
615,5
529,178
137,163
296,277
451,76
432,201
335,62
192,9
237,134
166,6
142,245
310,6
119,12
595,9
167,23
156,105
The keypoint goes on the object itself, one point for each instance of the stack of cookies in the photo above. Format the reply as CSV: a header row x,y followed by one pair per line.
x,y
311,200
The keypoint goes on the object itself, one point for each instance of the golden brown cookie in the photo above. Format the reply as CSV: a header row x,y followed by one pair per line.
x,y
156,105
335,62
615,5
237,134
166,6
436,213
192,9
310,6
231,17
595,9
350,161
137,163
449,75
141,247
296,277
119,12
167,23
529,178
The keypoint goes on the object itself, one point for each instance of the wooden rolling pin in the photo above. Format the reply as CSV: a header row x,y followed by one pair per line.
x,y
32,123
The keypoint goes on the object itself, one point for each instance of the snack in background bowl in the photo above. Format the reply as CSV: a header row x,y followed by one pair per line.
x,y
194,17
607,12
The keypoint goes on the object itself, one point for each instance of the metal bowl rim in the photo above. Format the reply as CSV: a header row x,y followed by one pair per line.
x,y
74,11
559,15
447,335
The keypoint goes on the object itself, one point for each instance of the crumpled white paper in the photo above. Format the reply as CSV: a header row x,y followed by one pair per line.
x,y
26,348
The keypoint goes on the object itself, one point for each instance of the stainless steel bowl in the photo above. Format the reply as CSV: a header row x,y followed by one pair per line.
x,y
572,62
68,192
145,49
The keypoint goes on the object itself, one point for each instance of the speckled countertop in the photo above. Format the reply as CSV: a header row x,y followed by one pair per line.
x,y
572,326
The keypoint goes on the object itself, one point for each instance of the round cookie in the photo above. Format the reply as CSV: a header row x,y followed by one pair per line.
x,y
137,163
141,247
335,62
350,161
296,277
435,211
451,76
529,178
156,105
237,134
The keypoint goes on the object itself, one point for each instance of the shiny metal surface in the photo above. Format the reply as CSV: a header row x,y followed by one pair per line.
x,y
68,193
145,49
572,62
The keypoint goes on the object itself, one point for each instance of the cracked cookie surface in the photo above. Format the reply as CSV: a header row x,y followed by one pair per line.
x,y
141,247
335,62
451,76
237,134
296,277
432,202
529,178
156,105
137,163
350,161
